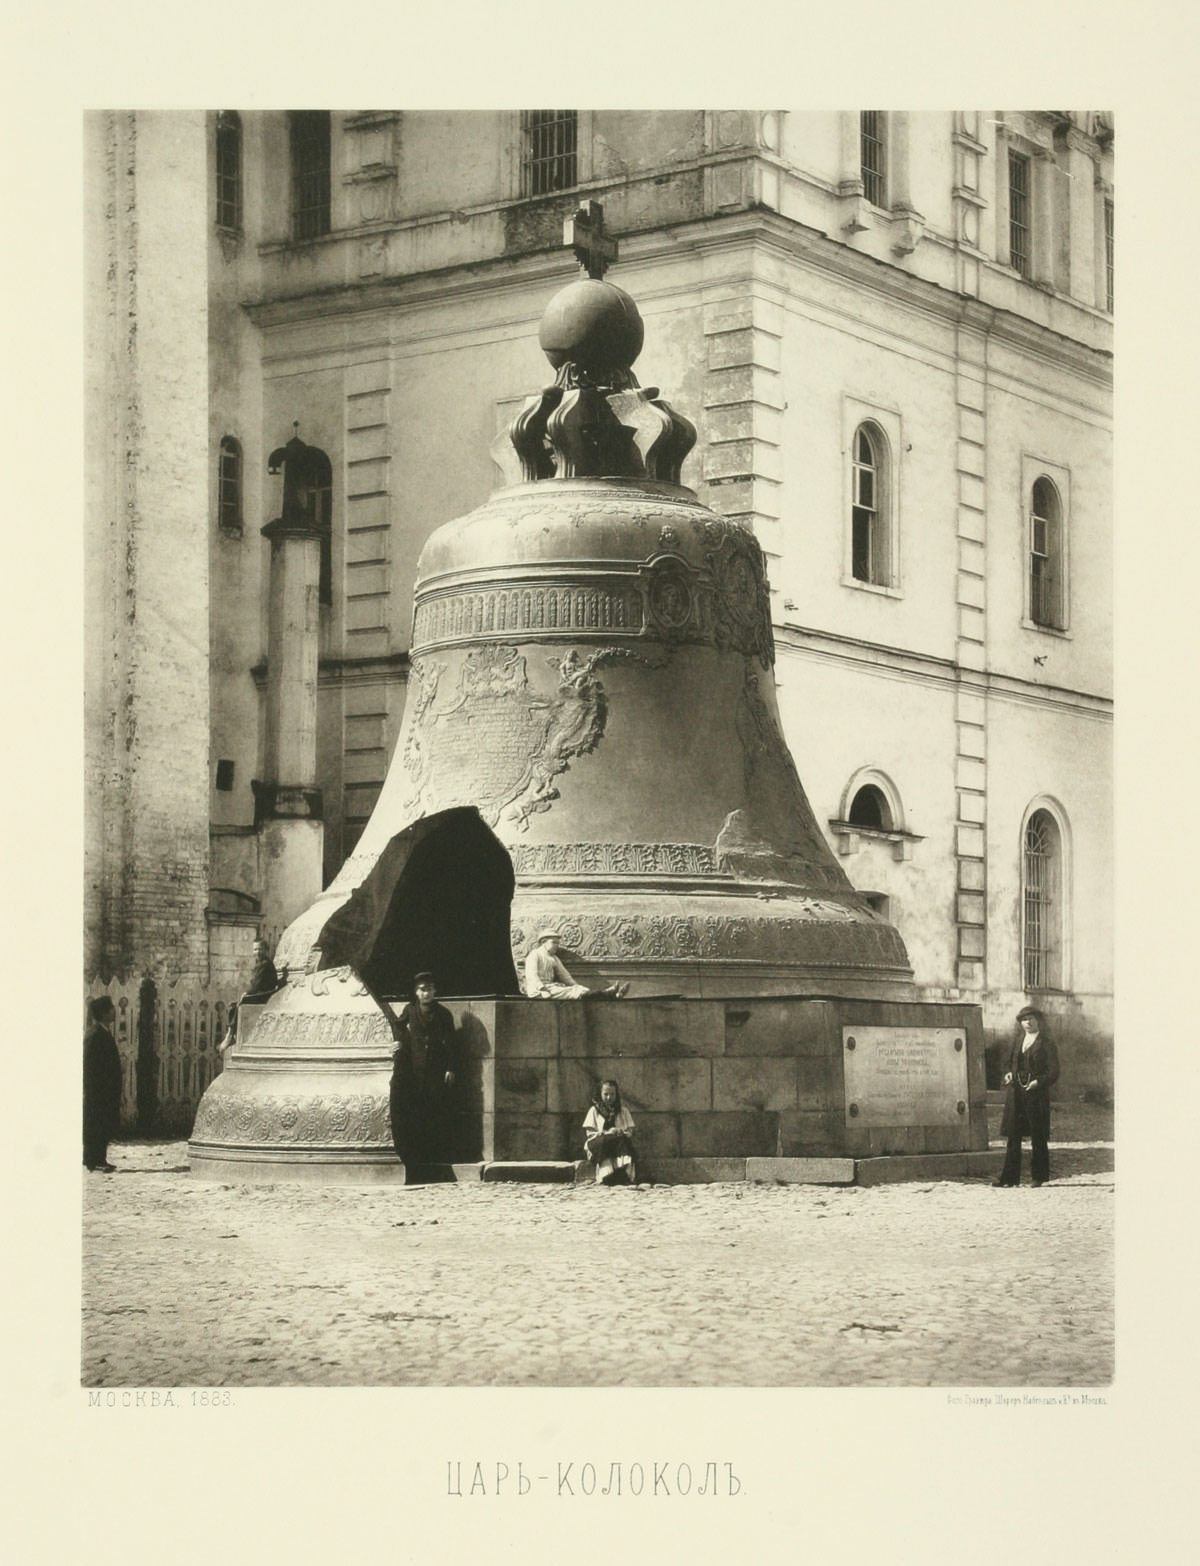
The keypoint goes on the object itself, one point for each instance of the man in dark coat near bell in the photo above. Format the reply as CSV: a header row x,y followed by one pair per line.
x,y
1032,1072
424,1074
101,1085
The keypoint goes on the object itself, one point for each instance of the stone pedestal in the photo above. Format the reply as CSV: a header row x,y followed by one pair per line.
x,y
710,1083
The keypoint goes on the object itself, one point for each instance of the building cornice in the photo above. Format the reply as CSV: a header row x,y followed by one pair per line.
x,y
701,236
923,668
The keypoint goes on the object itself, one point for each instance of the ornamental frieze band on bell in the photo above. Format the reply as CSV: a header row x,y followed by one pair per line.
x,y
591,740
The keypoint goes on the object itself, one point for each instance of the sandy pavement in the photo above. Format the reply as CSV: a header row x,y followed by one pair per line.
x,y
192,1283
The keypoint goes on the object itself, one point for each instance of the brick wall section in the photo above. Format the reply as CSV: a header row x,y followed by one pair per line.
x,y
147,699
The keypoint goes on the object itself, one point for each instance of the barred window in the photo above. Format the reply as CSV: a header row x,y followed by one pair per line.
x,y
309,135
551,143
873,156
869,521
1042,900
1108,256
1018,212
229,485
229,170
1045,556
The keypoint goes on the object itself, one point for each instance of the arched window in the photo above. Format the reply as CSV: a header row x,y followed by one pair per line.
x,y
309,140
229,485
1045,556
1042,883
870,527
869,808
229,170
872,136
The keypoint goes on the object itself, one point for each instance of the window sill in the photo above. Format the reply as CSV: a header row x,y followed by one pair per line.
x,y
274,247
878,588
1060,632
848,834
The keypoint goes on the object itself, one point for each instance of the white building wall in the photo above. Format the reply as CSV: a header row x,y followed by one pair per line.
x,y
403,340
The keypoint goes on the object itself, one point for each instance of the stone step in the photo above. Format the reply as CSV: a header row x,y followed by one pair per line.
x,y
531,1170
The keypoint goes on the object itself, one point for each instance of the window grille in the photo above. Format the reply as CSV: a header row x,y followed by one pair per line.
x,y
873,156
1108,256
229,170
1018,212
551,145
229,485
1045,549
310,173
1040,855
865,551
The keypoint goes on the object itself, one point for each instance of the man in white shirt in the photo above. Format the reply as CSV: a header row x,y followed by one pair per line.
x,y
546,977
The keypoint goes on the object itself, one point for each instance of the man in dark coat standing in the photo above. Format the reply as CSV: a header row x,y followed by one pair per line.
x,y
424,1073
101,1085
1032,1072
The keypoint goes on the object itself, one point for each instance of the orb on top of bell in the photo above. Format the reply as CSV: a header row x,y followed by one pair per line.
x,y
592,324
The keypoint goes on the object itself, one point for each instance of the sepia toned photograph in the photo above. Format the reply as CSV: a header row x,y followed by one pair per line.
x,y
598,844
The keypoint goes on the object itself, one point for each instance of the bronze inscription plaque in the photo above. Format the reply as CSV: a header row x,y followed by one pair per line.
x,y
905,1076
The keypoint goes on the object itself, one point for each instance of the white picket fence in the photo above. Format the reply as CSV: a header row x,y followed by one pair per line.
x,y
179,1061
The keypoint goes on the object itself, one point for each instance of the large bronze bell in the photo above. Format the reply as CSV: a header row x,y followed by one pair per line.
x,y
592,683
591,744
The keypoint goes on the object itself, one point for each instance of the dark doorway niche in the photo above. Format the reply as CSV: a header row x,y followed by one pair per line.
x,y
448,911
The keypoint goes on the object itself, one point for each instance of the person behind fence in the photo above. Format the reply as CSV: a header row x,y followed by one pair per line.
x,y
1032,1072
264,981
608,1132
546,977
101,1085
424,1074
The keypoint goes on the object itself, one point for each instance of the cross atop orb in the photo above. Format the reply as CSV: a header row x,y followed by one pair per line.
x,y
584,232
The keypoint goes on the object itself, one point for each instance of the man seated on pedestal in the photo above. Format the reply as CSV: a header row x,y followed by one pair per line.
x,y
264,981
546,977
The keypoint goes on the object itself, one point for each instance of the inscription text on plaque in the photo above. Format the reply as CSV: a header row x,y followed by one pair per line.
x,y
905,1076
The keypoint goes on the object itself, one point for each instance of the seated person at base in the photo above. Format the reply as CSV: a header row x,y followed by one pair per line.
x,y
264,981
546,977
607,1132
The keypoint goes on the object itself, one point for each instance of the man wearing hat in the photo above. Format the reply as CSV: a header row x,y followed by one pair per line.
x,y
424,1073
546,977
101,1085
1032,1072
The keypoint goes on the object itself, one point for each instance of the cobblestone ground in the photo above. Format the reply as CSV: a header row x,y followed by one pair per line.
x,y
193,1283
